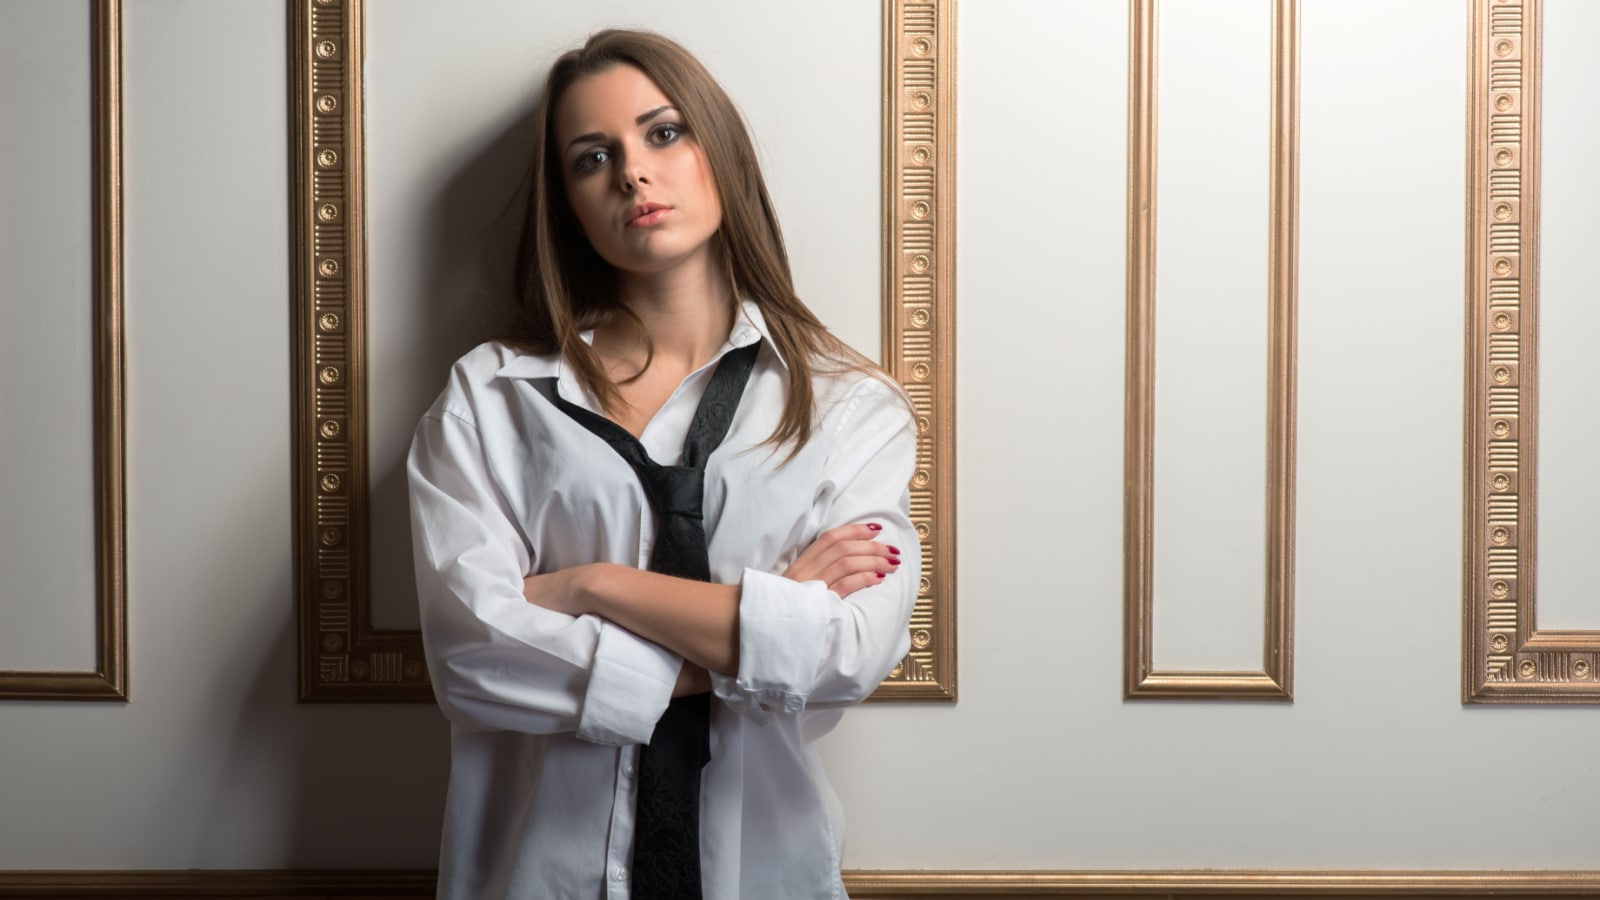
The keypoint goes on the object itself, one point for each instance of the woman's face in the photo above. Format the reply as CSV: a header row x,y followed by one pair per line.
x,y
635,177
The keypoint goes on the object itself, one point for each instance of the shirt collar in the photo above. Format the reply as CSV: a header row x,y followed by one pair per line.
x,y
749,326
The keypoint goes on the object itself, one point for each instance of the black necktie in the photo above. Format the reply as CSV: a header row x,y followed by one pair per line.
x,y
666,841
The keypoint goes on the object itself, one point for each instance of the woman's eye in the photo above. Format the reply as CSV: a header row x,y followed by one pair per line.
x,y
666,133
590,160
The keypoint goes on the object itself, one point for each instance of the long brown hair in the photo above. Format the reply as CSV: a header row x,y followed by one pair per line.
x,y
565,288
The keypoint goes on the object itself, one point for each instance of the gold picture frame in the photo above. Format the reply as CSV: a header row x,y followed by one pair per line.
x,y
1506,657
1142,679
342,657
109,680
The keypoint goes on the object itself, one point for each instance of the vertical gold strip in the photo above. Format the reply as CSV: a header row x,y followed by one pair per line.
x,y
1506,658
111,658
1283,328
919,313
109,680
1141,679
1138,562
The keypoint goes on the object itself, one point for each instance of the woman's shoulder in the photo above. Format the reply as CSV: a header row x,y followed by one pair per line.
x,y
848,390
488,371
492,361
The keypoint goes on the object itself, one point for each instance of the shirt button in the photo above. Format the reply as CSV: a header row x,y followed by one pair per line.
x,y
628,771
619,874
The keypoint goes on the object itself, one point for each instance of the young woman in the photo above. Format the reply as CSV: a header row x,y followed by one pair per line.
x,y
572,622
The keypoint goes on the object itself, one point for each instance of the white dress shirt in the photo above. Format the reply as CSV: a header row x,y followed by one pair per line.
x,y
548,711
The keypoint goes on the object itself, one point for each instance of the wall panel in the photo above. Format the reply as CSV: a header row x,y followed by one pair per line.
x,y
1228,525
62,603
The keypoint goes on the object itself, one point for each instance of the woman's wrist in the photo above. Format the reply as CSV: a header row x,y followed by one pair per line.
x,y
593,588
692,679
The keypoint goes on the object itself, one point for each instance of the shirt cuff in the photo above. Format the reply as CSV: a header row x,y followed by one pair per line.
x,y
782,635
630,685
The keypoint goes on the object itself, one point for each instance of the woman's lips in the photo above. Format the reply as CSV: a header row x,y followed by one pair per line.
x,y
646,214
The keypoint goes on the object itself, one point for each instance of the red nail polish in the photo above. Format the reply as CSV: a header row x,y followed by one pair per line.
x,y
894,550
874,526
894,561
881,574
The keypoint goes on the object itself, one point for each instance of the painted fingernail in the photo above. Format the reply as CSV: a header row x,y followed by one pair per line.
x,y
874,526
894,560
894,550
881,574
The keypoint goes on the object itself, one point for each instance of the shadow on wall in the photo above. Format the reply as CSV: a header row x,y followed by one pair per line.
x,y
308,786
364,785
314,786
466,257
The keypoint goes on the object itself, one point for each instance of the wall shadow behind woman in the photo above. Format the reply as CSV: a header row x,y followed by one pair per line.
x,y
465,260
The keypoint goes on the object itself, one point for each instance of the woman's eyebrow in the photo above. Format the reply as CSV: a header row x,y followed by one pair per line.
x,y
585,138
647,116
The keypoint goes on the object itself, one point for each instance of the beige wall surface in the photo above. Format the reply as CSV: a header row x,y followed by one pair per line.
x,y
1041,764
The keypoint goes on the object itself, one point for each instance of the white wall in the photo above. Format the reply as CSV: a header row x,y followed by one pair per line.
x,y
1040,764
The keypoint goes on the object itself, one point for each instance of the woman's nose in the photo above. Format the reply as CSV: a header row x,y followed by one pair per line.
x,y
633,175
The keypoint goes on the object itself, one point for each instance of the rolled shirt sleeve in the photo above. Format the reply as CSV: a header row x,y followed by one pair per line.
x,y
497,661
801,645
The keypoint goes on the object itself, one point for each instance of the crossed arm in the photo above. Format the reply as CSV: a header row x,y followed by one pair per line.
x,y
698,620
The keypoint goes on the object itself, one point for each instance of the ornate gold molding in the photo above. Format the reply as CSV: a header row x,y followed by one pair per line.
x,y
342,657
919,331
1506,658
1141,678
109,680
390,884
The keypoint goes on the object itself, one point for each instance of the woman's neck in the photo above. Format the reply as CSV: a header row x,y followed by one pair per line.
x,y
687,316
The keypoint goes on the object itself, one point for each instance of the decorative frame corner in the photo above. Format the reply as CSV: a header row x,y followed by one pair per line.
x,y
1506,657
343,658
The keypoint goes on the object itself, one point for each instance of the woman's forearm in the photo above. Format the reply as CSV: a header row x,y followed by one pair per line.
x,y
694,619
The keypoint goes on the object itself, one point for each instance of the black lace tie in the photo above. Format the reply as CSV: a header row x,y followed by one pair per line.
x,y
666,841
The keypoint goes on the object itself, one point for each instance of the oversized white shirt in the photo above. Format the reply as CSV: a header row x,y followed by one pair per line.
x,y
548,710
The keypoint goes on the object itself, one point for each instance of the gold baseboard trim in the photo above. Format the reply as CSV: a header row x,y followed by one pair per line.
x,y
868,884
258,884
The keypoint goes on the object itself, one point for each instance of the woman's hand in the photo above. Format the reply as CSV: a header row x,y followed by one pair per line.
x,y
847,559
